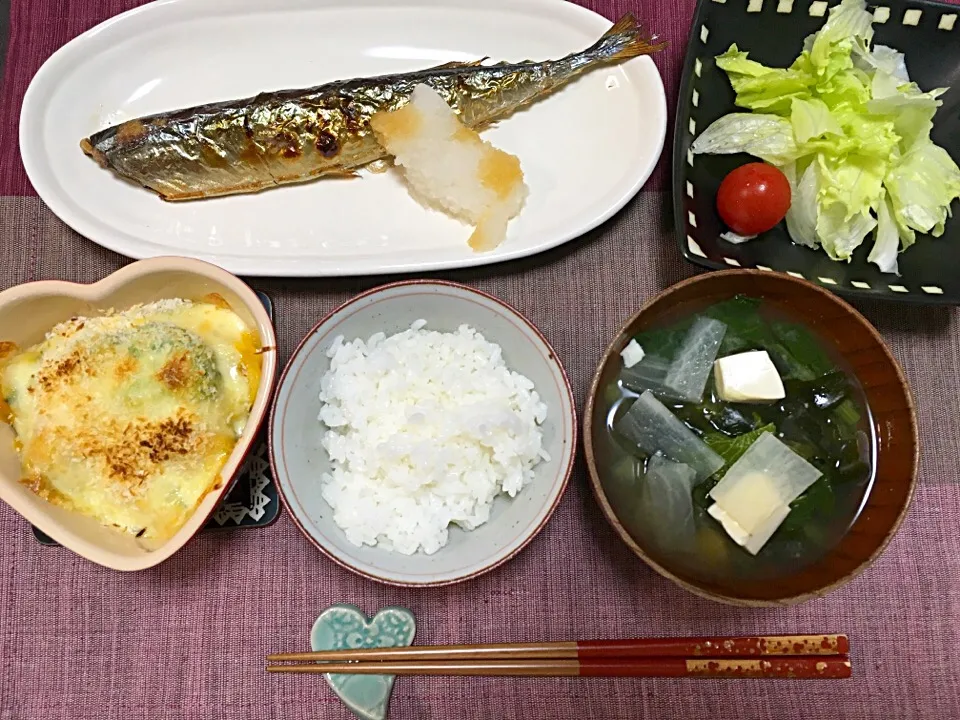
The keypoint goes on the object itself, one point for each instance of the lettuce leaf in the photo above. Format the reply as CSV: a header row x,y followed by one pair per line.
x,y
884,251
865,134
841,235
847,24
922,184
854,182
802,215
910,111
761,88
884,63
812,119
767,137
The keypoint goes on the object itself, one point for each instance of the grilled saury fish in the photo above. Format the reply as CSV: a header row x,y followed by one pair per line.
x,y
295,135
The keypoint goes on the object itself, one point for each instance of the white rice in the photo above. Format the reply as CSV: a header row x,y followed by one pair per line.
x,y
424,429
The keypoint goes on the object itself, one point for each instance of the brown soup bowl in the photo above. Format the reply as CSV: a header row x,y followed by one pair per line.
x,y
895,444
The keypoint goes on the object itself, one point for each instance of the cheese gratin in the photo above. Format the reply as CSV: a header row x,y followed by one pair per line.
x,y
129,417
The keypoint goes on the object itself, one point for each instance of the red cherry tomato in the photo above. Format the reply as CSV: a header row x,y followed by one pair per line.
x,y
753,198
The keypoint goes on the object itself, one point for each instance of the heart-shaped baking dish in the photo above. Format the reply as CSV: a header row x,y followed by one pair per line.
x,y
29,311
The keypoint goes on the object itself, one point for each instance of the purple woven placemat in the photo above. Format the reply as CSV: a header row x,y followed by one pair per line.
x,y
188,639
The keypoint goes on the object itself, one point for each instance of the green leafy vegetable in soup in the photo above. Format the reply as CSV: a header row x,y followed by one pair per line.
x,y
773,479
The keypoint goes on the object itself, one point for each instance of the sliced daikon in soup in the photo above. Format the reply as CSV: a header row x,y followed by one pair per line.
x,y
770,464
667,493
683,374
654,429
690,369
650,373
754,495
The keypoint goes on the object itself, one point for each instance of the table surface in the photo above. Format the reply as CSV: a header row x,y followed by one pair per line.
x,y
187,639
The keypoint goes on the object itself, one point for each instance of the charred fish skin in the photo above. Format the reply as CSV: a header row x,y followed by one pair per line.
x,y
292,136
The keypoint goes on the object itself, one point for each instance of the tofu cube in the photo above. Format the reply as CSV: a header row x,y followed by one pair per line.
x,y
632,354
749,377
751,542
751,500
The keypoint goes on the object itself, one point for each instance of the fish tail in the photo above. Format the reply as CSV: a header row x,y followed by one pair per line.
x,y
626,39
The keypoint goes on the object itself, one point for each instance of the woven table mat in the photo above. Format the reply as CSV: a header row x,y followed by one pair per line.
x,y
187,639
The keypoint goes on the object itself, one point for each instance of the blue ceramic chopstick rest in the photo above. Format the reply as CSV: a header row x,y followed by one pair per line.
x,y
342,627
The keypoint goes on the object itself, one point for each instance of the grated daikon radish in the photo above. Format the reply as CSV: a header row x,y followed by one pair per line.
x,y
450,167
655,429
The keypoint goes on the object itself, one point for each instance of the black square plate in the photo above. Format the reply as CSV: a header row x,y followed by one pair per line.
x,y
253,501
772,31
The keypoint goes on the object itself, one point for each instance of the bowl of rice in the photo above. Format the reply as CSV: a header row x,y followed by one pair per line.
x,y
423,433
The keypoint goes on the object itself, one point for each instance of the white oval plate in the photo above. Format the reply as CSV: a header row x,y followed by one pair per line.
x,y
585,150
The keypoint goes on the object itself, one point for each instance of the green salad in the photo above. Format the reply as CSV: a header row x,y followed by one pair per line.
x,y
851,132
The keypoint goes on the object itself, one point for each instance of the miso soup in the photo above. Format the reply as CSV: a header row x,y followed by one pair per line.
x,y
745,477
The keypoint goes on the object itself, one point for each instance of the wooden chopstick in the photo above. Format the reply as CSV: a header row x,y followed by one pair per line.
x,y
718,647
796,667
769,656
